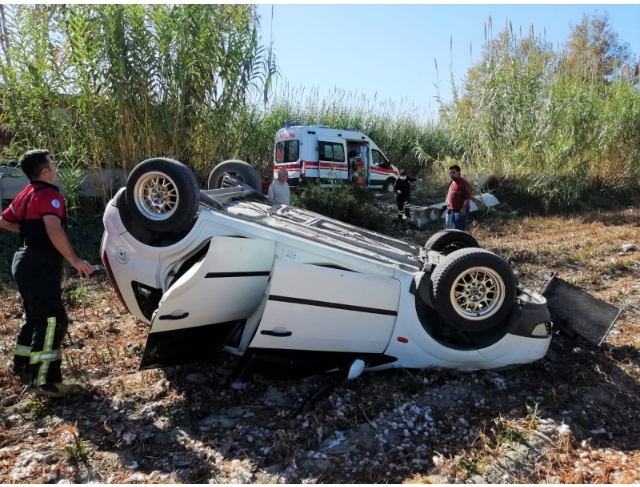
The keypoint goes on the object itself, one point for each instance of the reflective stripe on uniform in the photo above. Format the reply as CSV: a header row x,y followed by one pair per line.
x,y
47,355
22,351
48,339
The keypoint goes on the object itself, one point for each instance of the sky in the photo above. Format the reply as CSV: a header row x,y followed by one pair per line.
x,y
389,50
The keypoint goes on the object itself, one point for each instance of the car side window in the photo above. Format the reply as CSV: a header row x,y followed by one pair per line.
x,y
378,159
338,152
326,151
330,151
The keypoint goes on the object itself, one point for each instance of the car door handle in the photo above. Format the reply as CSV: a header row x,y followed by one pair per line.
x,y
276,333
174,317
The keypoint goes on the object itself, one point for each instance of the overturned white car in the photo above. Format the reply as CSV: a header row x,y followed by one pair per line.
x,y
295,293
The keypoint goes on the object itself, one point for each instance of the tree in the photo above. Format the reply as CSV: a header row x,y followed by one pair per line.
x,y
594,50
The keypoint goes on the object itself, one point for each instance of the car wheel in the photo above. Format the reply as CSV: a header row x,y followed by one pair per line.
x,y
223,175
390,185
451,240
162,194
473,289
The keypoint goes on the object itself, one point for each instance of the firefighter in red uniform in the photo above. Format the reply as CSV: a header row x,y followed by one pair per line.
x,y
38,214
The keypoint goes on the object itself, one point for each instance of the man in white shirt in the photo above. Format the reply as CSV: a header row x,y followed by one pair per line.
x,y
279,189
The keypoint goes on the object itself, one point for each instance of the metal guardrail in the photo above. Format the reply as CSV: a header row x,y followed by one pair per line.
x,y
97,182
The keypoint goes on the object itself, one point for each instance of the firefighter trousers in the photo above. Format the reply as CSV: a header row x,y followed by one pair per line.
x,y
38,275
404,208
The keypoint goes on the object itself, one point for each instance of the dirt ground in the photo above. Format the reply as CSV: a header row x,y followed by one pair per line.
x,y
572,417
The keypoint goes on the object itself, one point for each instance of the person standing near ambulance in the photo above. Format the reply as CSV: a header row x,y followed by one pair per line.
x,y
38,214
279,189
403,194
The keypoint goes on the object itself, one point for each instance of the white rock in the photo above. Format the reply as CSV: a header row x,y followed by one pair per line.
x,y
129,437
438,461
564,429
599,431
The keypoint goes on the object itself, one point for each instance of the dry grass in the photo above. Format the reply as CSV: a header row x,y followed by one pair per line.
x,y
100,435
585,250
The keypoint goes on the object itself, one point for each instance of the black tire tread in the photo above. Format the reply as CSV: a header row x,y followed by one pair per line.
x,y
248,172
443,238
188,190
441,289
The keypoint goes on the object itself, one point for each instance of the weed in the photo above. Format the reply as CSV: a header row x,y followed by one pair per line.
x,y
77,295
38,408
72,445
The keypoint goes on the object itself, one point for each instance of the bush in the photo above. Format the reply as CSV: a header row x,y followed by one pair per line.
x,y
347,203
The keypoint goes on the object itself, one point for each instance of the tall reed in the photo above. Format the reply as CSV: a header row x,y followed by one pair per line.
x,y
117,83
526,114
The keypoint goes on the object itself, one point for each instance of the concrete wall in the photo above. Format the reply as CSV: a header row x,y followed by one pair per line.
x,y
96,182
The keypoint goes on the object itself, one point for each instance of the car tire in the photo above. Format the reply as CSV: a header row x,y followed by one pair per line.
x,y
449,241
389,186
162,194
467,275
239,169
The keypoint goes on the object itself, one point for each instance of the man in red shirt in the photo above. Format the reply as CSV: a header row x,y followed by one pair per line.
x,y
458,199
38,214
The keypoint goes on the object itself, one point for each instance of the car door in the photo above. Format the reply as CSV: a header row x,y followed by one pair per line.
x,y
204,307
320,318
332,159
380,169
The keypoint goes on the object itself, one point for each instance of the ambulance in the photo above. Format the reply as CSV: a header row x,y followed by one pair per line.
x,y
319,153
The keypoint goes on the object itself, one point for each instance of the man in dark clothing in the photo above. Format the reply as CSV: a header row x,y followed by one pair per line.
x,y
403,194
458,199
38,214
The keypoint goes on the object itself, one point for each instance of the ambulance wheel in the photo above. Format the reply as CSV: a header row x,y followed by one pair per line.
x,y
389,185
473,289
225,174
450,240
162,194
